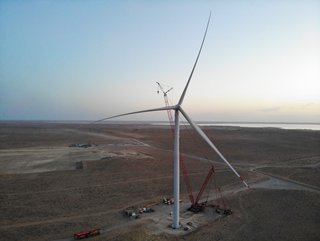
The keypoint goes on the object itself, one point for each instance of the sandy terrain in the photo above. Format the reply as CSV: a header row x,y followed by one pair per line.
x,y
49,190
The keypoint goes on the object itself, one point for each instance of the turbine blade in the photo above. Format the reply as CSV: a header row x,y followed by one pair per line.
x,y
136,112
206,139
194,66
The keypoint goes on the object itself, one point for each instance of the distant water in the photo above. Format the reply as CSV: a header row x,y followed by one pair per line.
x,y
272,125
291,126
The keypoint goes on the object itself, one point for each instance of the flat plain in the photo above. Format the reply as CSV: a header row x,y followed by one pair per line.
x,y
60,178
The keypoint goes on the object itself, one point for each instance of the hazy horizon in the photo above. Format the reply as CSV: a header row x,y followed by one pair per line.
x,y
162,121
86,60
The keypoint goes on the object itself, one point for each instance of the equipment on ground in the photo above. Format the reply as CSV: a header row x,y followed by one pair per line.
x,y
223,211
167,201
135,213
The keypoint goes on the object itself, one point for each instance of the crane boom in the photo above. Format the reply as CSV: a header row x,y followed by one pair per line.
x,y
182,164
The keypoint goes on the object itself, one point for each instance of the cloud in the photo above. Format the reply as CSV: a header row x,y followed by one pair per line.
x,y
311,105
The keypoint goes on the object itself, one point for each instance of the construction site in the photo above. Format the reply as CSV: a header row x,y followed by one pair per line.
x,y
115,179
114,182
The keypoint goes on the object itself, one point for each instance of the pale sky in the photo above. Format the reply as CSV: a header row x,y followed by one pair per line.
x,y
85,60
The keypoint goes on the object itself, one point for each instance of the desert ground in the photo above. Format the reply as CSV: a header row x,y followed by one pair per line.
x,y
60,178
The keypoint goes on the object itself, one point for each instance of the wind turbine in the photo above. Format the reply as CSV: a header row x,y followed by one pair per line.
x,y
176,152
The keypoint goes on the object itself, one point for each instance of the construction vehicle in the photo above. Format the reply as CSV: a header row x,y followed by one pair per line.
x,y
86,234
131,213
146,210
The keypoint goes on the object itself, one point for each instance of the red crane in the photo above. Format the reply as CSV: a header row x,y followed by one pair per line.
x,y
195,206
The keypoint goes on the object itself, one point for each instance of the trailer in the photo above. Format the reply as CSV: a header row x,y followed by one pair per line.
x,y
86,234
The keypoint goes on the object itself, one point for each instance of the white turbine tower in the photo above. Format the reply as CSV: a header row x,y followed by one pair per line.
x,y
176,153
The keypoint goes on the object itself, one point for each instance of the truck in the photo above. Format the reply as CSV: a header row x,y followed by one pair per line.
x,y
86,234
